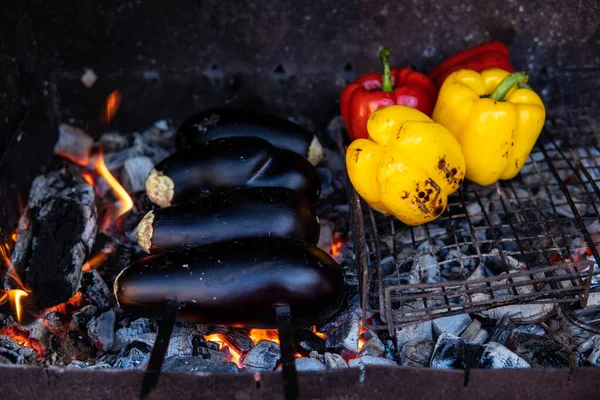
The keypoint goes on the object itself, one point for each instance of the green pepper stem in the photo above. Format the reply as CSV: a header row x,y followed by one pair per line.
x,y
386,77
507,84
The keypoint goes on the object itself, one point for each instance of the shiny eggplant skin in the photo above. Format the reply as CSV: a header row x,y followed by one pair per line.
x,y
236,283
232,214
229,122
228,163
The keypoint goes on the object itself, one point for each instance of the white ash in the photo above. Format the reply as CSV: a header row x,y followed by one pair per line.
x,y
135,359
195,364
125,335
409,333
101,330
530,328
522,313
134,174
309,364
373,346
363,361
454,324
263,357
474,333
73,143
334,361
417,353
496,356
88,78
181,342
452,352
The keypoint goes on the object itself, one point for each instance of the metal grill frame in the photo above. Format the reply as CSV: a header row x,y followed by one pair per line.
x,y
573,285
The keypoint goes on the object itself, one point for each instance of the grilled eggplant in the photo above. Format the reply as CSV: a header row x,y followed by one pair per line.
x,y
232,214
228,163
236,283
229,122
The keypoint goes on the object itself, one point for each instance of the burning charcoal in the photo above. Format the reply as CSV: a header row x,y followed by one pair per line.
x,y
390,350
23,354
308,341
373,346
135,359
474,333
454,324
343,331
113,141
361,362
56,234
417,353
263,357
196,364
326,234
54,323
135,172
522,313
81,317
101,330
236,338
123,336
531,328
503,331
73,143
309,364
497,356
181,342
543,351
199,343
95,291
452,352
334,361
422,330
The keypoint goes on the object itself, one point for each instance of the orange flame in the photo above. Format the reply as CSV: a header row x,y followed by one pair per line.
x,y
222,341
22,338
121,193
319,334
98,259
361,339
336,244
88,178
264,334
113,103
13,295
73,303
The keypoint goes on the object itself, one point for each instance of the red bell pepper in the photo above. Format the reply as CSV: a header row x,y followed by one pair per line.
x,y
485,56
372,91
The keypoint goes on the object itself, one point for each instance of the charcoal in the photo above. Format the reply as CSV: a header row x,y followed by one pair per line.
x,y
181,342
345,336
81,317
589,344
594,357
522,313
263,357
496,356
55,324
38,331
55,235
235,337
113,141
135,359
326,234
503,331
373,346
309,364
95,290
307,341
530,328
162,134
198,343
422,330
472,332
76,364
25,355
452,352
454,325
543,351
196,364
370,360
334,361
144,342
73,143
75,347
390,350
134,174
317,356
9,357
101,330
123,336
417,353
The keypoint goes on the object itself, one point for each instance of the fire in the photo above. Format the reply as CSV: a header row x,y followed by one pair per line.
x,y
336,244
98,259
264,334
222,341
22,338
15,299
73,303
319,334
361,339
120,192
88,178
13,295
113,102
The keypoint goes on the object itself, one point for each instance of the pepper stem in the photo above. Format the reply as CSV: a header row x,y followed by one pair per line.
x,y
507,84
386,77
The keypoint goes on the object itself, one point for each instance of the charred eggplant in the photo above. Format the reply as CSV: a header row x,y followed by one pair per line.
x,y
232,214
236,283
229,122
228,163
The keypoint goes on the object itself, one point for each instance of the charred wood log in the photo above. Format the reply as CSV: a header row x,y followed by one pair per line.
x,y
56,233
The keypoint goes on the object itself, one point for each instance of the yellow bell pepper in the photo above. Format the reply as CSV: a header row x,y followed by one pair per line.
x,y
407,167
495,117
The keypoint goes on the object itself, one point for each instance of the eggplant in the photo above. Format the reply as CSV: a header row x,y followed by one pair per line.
x,y
229,163
230,122
236,283
232,214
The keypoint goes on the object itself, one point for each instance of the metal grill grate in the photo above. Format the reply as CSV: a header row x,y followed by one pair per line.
x,y
530,239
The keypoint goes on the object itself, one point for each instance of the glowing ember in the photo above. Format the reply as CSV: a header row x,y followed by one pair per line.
x,y
13,295
336,244
98,259
113,102
22,338
361,339
73,303
319,334
224,345
121,193
88,178
264,334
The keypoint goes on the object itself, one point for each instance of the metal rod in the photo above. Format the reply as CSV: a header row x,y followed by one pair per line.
x,y
157,357
288,362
